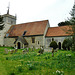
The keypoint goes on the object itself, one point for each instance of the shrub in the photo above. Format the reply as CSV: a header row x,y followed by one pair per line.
x,y
64,44
53,44
67,43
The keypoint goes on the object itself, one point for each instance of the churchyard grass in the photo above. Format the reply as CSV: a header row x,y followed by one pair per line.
x,y
32,63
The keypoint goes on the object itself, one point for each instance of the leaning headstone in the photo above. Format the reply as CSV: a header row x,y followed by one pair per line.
x,y
41,50
16,50
6,51
12,51
24,51
52,52
32,49
27,49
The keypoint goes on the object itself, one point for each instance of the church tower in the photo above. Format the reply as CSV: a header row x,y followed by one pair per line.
x,y
9,20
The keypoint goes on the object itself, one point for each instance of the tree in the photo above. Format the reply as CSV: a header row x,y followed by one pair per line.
x,y
1,23
53,44
67,44
71,23
64,23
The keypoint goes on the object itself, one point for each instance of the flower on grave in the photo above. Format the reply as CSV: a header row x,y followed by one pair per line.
x,y
59,72
68,54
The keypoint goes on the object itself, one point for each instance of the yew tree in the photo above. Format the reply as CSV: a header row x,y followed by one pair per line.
x,y
1,23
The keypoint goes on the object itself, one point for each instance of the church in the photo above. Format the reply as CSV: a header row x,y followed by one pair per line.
x,y
31,34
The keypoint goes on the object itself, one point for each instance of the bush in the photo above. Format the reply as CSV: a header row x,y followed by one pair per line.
x,y
67,43
53,44
64,44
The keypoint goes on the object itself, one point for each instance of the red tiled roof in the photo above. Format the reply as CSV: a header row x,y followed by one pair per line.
x,y
32,28
58,31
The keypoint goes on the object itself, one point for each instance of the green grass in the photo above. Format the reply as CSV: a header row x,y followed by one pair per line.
x,y
32,63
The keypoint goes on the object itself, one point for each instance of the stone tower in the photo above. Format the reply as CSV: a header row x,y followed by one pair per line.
x,y
9,20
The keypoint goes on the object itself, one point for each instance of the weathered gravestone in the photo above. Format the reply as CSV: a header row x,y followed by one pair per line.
x,y
5,51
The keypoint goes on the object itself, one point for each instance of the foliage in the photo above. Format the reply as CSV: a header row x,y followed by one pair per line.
x,y
1,23
64,23
71,23
67,44
53,44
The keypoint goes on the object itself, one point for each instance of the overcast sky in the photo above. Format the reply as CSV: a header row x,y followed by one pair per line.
x,y
35,10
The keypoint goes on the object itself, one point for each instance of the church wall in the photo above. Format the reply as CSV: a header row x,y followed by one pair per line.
x,y
38,41
9,42
1,41
37,44
57,39
48,25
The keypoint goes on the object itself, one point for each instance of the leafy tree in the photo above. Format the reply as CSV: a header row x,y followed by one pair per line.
x,y
73,32
1,23
67,44
53,44
64,23
71,23
64,44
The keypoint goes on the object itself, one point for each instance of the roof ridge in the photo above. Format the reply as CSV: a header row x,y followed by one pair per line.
x,y
32,22
59,26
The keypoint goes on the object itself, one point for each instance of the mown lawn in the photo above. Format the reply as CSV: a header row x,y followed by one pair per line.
x,y
31,63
